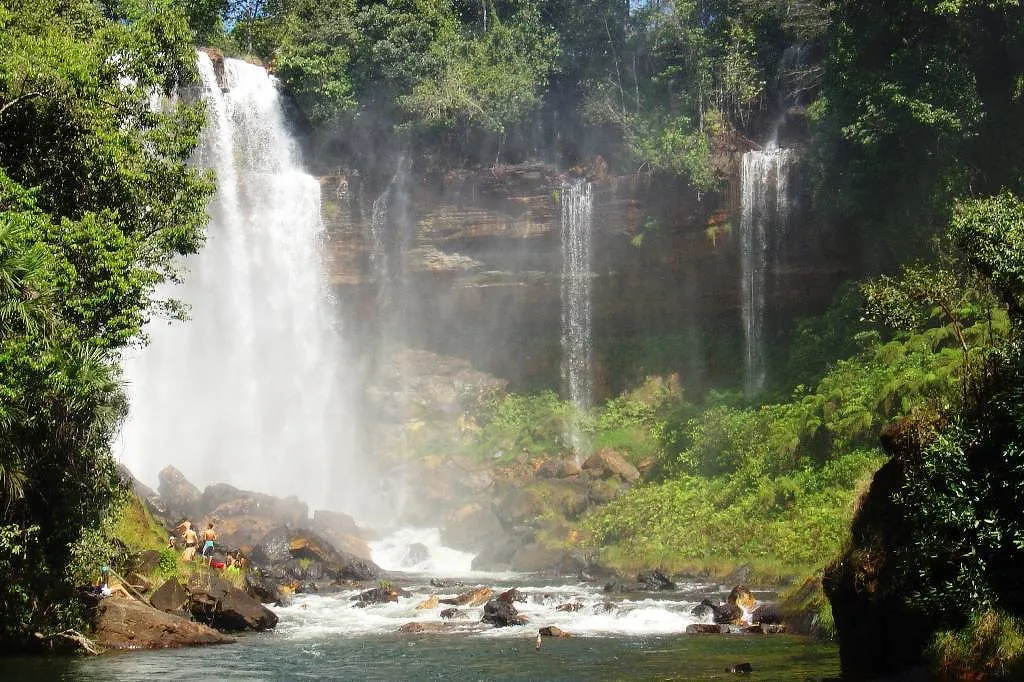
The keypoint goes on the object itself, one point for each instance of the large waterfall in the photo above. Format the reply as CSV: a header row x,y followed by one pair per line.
x,y
255,389
763,220
577,205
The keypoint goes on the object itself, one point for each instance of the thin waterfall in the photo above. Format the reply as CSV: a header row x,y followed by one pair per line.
x,y
577,206
764,211
256,388
389,239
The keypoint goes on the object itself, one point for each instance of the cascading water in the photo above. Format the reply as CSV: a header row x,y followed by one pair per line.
x,y
251,390
764,211
389,239
577,207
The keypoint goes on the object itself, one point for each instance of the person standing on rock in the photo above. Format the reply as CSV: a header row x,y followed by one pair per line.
x,y
191,540
210,537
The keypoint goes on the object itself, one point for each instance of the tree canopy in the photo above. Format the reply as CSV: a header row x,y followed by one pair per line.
x,y
96,200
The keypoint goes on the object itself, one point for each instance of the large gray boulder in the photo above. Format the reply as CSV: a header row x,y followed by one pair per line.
x,y
221,605
171,597
177,495
303,555
123,623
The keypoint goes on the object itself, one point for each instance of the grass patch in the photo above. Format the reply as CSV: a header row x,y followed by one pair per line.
x,y
134,525
989,647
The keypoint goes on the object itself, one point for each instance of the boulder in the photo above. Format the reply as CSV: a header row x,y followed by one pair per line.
x,y
147,562
706,629
240,530
512,595
266,588
453,613
558,468
721,613
222,500
654,581
302,554
223,606
501,613
123,623
553,631
471,598
428,603
606,463
377,595
171,597
177,495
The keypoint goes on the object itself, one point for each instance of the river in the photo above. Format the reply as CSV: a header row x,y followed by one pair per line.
x,y
621,636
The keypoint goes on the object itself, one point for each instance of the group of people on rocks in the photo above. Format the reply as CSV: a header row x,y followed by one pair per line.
x,y
233,561
190,539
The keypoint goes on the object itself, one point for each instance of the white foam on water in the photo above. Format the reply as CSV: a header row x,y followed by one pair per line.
x,y
312,616
397,552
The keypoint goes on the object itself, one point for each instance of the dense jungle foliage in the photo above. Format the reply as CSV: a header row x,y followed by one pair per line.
x,y
908,112
95,200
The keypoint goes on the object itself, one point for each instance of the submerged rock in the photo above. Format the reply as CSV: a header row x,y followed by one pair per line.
x,y
379,595
501,613
553,631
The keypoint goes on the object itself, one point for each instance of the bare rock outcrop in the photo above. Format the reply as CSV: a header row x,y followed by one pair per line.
x,y
123,623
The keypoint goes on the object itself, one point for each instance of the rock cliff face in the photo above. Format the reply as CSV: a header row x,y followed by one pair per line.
x,y
469,264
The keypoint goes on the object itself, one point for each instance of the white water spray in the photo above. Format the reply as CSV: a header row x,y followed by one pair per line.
x,y
577,207
764,208
252,389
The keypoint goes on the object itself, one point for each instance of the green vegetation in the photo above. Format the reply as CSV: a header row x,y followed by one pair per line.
x,y
660,85
95,201
990,646
914,142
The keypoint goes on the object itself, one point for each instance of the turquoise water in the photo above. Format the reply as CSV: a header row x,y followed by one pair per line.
x,y
271,656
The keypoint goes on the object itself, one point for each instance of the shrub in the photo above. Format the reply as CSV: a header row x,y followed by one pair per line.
x,y
990,646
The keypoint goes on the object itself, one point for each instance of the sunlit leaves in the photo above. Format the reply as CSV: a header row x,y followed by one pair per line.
x,y
990,234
